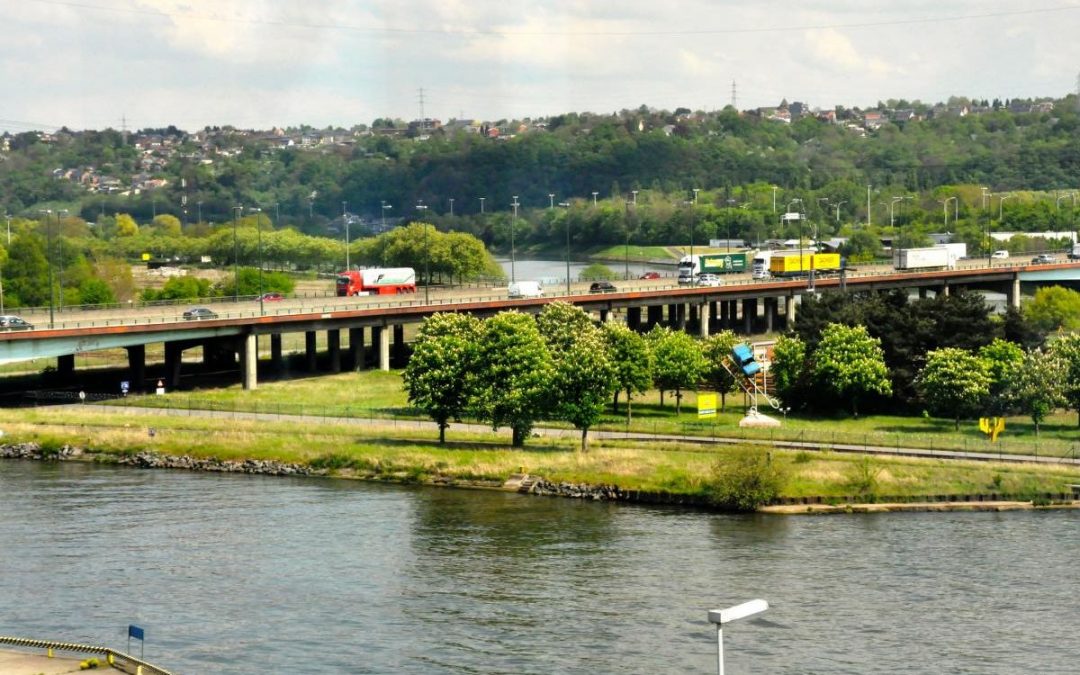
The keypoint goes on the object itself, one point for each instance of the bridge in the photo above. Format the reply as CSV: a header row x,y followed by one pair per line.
x,y
375,326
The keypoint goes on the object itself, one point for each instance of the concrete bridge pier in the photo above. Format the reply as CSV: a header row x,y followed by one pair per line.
x,y
789,312
605,315
137,366
356,348
333,346
922,292
276,362
400,355
703,320
749,310
382,342
311,353
771,308
1014,292
945,290
174,352
249,361
633,318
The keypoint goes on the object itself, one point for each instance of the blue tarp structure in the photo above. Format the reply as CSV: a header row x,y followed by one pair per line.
x,y
743,355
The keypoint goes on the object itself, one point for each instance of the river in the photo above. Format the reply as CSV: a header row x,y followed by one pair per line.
x,y
251,574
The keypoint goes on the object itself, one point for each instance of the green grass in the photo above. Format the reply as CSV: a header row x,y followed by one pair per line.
x,y
636,253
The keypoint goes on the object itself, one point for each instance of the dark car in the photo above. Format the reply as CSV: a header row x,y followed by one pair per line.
x,y
650,275
1043,258
602,287
10,323
197,313
271,297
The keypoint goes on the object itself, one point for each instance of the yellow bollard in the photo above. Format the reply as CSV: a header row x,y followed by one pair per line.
x,y
50,654
138,670
111,659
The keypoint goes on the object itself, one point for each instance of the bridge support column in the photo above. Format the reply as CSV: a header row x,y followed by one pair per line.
x,y
174,354
380,338
311,353
633,318
673,316
275,352
770,313
703,320
65,365
714,315
655,316
1014,293
356,348
333,345
399,356
249,361
749,311
922,292
789,312
683,310
945,290
137,366
605,315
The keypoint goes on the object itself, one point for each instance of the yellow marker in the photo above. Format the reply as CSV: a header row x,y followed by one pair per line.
x,y
50,654
706,405
992,426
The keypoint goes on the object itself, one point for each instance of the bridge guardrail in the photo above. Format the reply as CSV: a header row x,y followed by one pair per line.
x,y
117,659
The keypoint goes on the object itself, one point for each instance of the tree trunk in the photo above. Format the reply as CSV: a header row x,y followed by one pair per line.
x,y
958,424
678,401
615,404
442,432
628,398
661,397
518,438
585,439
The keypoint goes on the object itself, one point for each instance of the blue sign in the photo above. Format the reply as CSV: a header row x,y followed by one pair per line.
x,y
135,632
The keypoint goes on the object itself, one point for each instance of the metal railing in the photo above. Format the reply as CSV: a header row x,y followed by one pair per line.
x,y
116,659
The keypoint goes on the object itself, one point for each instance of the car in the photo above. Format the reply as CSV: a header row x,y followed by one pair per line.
x,y
602,287
1000,255
10,323
271,297
650,275
1043,258
705,279
198,313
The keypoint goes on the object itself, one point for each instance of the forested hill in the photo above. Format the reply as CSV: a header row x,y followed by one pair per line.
x,y
310,176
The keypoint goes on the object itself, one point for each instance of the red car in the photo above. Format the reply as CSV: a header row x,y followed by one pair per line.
x,y
650,275
272,297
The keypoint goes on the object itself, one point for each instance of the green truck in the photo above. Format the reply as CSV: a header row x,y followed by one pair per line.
x,y
713,263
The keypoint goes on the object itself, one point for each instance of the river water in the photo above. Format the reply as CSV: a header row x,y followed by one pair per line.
x,y
249,574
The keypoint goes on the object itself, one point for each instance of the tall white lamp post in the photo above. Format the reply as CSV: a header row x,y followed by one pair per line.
x,y
722,616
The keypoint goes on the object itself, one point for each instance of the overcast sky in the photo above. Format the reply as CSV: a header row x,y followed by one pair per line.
x,y
262,63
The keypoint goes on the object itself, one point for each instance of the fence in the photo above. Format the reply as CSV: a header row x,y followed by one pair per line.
x,y
118,660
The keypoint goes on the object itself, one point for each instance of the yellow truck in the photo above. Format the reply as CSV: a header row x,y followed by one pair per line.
x,y
798,265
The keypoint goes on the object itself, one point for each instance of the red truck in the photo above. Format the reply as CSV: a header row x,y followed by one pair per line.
x,y
376,281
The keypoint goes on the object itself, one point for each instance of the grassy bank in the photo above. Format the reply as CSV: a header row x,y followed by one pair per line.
x,y
403,452
379,394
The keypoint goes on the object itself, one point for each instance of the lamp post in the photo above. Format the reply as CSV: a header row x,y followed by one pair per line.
x,y
199,205
838,205
551,199
626,248
427,254
1001,203
384,207
7,216
722,616
634,193
566,217
451,207
48,233
868,186
60,260
774,189
345,221
515,205
482,205
258,228
986,194
237,210
800,219
594,197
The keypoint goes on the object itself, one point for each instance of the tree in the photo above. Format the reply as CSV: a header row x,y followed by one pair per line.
x,y
514,373
954,383
717,349
679,363
26,274
95,292
440,377
560,323
788,368
167,224
1038,386
851,364
126,225
1003,360
582,380
1067,351
1055,308
633,363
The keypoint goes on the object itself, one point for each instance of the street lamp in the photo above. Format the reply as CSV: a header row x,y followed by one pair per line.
x,y
345,220
427,253
594,197
60,259
551,199
945,207
515,205
774,189
722,616
237,210
384,207
634,193
566,216
1001,203
626,248
482,205
8,217
838,205
258,228
48,232
451,207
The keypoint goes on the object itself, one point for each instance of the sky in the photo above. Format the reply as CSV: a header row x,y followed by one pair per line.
x,y
93,64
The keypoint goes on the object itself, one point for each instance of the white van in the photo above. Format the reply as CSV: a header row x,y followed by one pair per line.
x,y
1000,255
525,289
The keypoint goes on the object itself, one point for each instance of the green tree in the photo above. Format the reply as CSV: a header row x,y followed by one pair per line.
x,y
954,383
717,349
851,364
1038,386
167,225
560,323
95,291
514,373
126,225
1055,308
597,272
440,377
26,274
633,362
679,363
1003,360
789,368
1067,351
745,479
582,380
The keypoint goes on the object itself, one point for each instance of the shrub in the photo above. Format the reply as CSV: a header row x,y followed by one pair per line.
x,y
864,475
745,480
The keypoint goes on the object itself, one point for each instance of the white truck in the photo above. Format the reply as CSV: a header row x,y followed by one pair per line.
x,y
1074,252
759,267
932,257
